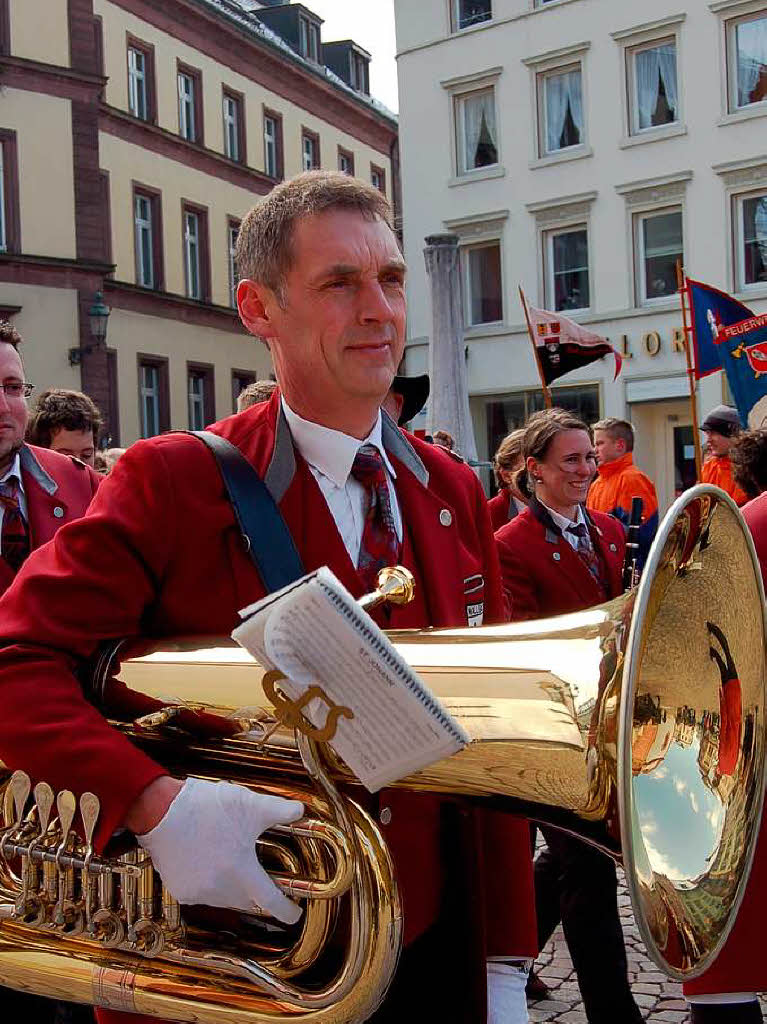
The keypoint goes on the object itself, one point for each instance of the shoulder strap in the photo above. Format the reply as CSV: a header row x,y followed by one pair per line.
x,y
265,532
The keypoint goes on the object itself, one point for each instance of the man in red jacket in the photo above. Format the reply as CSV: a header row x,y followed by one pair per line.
x,y
160,552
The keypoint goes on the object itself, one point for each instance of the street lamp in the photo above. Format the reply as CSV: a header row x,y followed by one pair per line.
x,y
98,315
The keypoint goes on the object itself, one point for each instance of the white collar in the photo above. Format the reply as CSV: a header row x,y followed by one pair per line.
x,y
14,470
332,452
562,521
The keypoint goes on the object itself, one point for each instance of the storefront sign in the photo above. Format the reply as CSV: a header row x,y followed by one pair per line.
x,y
652,343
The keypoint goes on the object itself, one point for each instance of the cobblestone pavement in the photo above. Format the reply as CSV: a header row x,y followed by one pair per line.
x,y
659,998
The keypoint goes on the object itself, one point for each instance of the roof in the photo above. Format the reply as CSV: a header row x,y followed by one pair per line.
x,y
250,25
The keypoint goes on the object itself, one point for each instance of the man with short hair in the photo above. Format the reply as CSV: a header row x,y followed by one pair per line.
x,y
256,393
721,427
160,552
39,490
67,422
619,481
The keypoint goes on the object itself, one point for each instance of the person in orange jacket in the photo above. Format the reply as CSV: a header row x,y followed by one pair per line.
x,y
721,427
619,481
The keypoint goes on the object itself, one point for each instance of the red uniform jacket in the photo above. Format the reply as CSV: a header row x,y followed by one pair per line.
x,y
741,966
502,508
159,554
57,489
542,574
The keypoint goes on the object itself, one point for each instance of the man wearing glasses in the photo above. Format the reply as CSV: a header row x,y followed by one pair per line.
x,y
40,490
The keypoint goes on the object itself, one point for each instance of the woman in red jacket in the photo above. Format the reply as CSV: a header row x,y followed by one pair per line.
x,y
555,558
507,462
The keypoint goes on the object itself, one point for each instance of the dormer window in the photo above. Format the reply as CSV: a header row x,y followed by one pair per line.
x,y
309,36
359,73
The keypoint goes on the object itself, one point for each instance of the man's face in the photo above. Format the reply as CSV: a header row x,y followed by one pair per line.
x,y
717,443
75,442
13,410
338,336
608,449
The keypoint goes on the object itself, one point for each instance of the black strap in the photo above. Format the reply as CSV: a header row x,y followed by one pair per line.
x,y
265,532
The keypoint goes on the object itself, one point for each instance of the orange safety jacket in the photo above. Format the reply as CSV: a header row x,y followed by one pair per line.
x,y
617,483
717,470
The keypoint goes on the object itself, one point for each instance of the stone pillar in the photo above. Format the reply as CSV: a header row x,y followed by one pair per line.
x,y
449,396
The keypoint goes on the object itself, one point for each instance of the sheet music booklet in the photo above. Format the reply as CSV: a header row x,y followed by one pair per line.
x,y
316,633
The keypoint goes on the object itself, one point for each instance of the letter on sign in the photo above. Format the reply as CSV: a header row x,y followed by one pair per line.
x,y
652,343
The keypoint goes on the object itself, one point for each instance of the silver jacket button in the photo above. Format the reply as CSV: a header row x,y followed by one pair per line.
x,y
58,512
446,517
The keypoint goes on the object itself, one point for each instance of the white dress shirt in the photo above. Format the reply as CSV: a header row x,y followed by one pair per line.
x,y
330,455
13,470
563,523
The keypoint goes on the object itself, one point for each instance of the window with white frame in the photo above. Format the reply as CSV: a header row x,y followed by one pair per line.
x,y
345,162
233,230
378,178
310,151
476,130
567,269
143,222
653,85
309,33
359,75
747,61
482,283
196,397
470,12
3,226
186,107
752,240
149,388
271,152
138,103
561,109
659,245
192,262
232,117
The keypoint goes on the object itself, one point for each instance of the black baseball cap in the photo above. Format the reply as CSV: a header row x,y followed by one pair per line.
x,y
414,392
722,419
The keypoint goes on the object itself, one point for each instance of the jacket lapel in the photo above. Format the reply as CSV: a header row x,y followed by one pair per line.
x,y
571,567
46,510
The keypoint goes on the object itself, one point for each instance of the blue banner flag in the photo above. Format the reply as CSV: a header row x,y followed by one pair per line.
x,y
711,310
743,350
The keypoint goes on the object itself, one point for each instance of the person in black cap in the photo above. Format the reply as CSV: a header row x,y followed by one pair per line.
x,y
721,427
406,397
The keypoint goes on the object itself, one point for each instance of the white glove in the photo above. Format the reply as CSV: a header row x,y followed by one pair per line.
x,y
204,847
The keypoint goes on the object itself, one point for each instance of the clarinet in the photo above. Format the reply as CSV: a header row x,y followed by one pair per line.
x,y
630,564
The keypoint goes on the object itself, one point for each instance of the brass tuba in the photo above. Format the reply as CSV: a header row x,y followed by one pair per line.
x,y
638,725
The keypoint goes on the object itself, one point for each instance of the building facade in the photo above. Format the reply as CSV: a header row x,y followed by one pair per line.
x,y
578,148
134,136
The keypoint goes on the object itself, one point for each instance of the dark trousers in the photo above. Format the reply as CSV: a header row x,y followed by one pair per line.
x,y
577,885
730,1013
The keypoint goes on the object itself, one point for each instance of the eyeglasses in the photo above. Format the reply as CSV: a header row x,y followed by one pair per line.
x,y
17,388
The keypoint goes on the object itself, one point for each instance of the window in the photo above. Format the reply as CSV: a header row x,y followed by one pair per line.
x,y
310,149
752,244
232,231
561,114
653,78
659,246
147,232
483,285
470,12
154,401
345,161
189,103
240,380
477,139
378,178
272,144
510,411
359,73
196,271
10,240
309,34
567,266
141,79
200,395
747,61
234,126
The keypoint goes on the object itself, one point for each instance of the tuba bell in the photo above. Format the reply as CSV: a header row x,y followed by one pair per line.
x,y
637,725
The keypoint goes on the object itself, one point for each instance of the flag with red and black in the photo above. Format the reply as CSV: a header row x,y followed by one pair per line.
x,y
562,345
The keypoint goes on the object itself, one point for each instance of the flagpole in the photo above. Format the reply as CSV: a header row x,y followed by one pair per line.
x,y
681,285
538,363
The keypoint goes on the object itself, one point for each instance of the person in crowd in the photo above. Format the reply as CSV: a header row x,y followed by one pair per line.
x,y
111,455
619,481
727,992
507,461
748,456
66,422
160,552
445,440
406,397
557,557
255,393
722,428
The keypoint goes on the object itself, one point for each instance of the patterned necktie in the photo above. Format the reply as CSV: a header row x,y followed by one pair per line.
x,y
380,546
585,550
14,540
